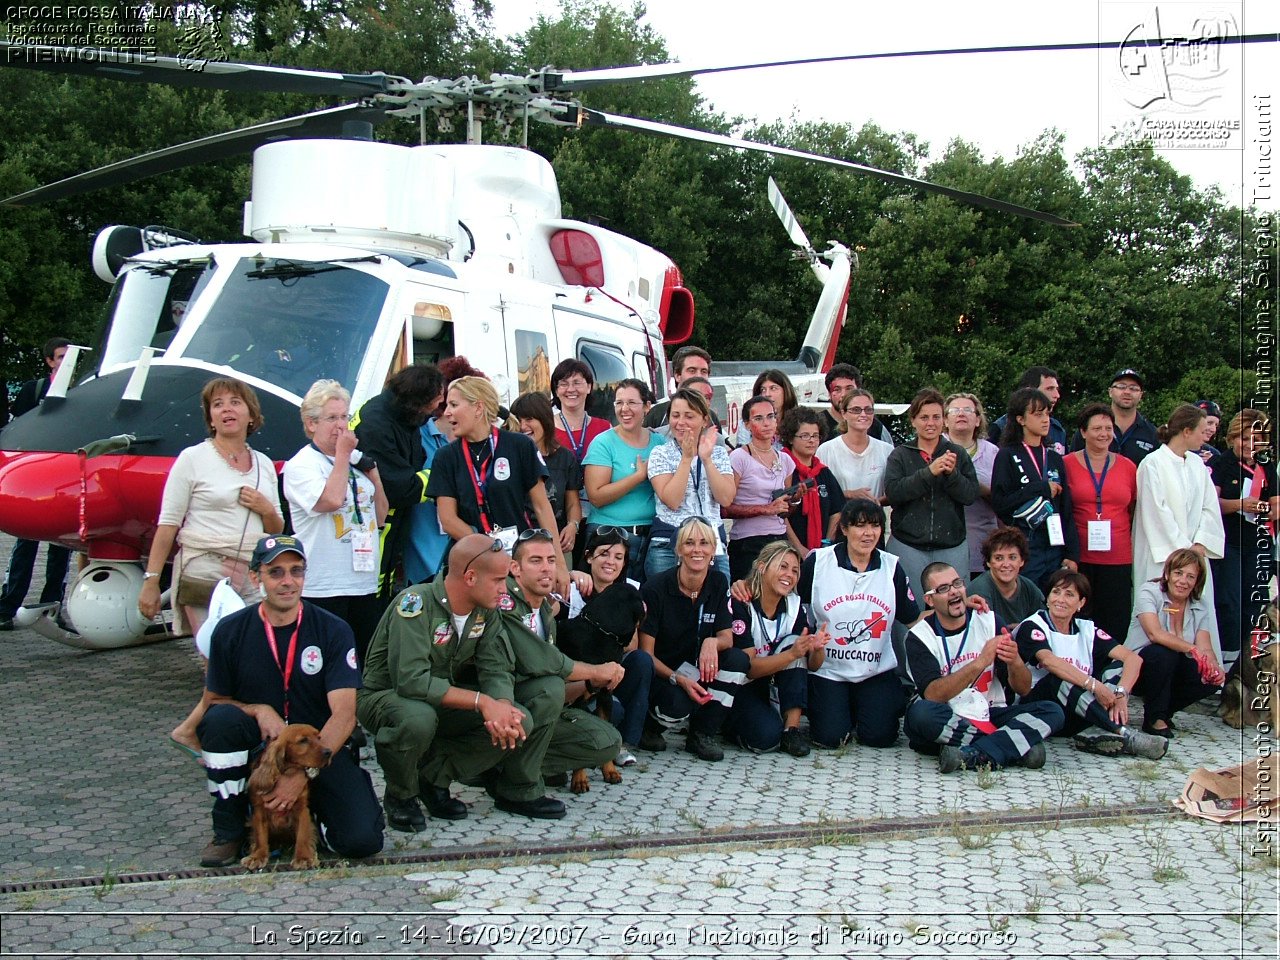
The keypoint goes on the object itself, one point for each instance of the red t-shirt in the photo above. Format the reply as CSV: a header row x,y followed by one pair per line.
x,y
1119,493
578,444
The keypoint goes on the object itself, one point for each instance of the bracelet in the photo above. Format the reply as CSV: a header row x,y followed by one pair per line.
x,y
672,678
476,706
1090,687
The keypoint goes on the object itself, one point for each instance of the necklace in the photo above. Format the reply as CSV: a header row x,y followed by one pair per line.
x,y
232,459
690,592
771,463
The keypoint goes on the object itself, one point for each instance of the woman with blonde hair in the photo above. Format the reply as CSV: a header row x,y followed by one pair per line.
x,y
966,426
489,480
772,629
337,504
686,630
1170,633
220,498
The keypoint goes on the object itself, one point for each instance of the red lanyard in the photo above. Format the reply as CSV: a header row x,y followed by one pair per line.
x,y
286,671
476,474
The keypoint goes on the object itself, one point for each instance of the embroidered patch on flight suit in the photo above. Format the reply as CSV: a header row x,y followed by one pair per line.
x,y
410,606
441,634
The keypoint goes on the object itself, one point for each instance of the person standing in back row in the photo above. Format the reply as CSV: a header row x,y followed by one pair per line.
x,y
22,560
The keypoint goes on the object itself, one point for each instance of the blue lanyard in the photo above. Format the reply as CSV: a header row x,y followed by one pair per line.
x,y
351,475
964,638
579,444
1098,481
697,483
777,623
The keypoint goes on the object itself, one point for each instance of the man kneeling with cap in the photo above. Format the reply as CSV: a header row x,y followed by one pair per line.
x,y
278,662
966,668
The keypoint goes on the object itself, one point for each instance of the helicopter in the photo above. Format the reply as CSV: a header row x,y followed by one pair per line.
x,y
362,257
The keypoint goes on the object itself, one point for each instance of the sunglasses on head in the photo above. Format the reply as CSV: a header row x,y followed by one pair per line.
x,y
609,533
494,547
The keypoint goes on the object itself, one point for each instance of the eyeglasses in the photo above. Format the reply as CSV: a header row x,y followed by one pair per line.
x,y
860,411
764,418
807,436
946,588
298,571
494,547
967,411
577,383
1126,387
330,420
623,404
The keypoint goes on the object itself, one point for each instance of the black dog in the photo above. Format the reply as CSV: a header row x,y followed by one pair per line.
x,y
601,633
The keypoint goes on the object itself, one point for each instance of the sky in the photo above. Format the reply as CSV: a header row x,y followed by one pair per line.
x,y
999,102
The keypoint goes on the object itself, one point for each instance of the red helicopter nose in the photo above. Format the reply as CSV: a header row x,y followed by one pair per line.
x,y
95,504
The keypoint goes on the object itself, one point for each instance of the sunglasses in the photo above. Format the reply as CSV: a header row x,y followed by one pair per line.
x,y
494,547
609,533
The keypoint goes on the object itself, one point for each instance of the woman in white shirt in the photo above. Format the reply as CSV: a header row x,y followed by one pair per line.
x,y
337,504
855,458
220,498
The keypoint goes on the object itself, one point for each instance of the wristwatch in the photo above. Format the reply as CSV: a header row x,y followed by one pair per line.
x,y
1121,691
147,575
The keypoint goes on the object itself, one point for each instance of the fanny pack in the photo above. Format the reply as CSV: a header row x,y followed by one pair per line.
x,y
1033,513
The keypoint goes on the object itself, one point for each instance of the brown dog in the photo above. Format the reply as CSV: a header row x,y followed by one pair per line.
x,y
297,748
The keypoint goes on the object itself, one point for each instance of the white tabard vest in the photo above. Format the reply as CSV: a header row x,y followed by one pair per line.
x,y
858,610
1075,648
953,652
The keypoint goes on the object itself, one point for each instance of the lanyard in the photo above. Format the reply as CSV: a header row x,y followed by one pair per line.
x,y
351,475
1098,481
286,671
480,477
579,444
697,483
1035,463
964,638
777,624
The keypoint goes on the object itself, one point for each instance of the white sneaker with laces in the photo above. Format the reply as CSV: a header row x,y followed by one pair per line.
x,y
625,757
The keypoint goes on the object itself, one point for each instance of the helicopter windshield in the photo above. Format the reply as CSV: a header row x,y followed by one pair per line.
x,y
291,322
147,306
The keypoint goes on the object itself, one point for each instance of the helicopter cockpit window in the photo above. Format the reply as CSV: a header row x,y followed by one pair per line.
x,y
608,366
291,322
147,307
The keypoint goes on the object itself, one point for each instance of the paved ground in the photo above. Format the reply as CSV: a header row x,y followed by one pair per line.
x,y
844,853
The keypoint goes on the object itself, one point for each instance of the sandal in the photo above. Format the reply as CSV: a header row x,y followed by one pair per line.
x,y
195,755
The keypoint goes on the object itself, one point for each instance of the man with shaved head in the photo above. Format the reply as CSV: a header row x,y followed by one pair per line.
x,y
438,692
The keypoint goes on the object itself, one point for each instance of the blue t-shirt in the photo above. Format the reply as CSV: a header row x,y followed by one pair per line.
x,y
610,450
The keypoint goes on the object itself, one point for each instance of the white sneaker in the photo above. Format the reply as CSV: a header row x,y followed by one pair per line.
x,y
625,757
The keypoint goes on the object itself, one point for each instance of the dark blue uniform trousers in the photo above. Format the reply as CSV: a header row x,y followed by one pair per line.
x,y
1018,729
342,796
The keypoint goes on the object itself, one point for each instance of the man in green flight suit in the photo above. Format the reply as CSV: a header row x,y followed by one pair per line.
x,y
580,740
439,696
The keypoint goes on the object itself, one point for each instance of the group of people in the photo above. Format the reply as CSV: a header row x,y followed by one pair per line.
x,y
1059,574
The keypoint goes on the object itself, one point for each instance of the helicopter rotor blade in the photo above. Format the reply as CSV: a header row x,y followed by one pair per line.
x,y
134,66
570,81
220,146
599,118
788,218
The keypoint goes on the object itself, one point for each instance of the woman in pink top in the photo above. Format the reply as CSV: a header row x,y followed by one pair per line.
x,y
1104,489
759,517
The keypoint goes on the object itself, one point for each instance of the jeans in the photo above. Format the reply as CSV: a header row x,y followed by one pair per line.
x,y
18,580
631,696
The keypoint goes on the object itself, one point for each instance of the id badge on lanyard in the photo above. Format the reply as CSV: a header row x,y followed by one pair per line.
x,y
1100,536
1099,530
1053,525
364,550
